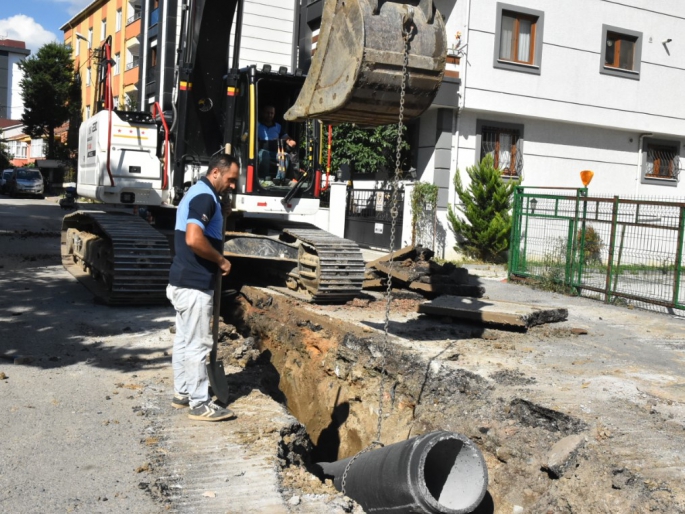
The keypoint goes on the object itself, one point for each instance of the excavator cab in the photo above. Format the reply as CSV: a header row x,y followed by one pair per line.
x,y
279,158
357,72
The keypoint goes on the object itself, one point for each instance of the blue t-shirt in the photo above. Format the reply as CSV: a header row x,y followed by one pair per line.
x,y
271,133
199,206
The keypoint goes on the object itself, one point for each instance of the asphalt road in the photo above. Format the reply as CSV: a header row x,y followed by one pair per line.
x,y
75,373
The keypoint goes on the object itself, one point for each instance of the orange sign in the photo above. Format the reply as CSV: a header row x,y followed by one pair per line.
x,y
586,177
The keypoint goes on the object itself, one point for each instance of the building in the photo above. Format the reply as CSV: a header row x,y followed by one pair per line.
x,y
11,54
86,32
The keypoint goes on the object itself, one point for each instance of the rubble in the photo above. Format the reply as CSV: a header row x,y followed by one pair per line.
x,y
412,268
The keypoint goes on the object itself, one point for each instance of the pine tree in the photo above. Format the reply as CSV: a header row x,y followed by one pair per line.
x,y
482,229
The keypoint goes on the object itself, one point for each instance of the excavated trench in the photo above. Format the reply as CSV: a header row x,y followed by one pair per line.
x,y
326,370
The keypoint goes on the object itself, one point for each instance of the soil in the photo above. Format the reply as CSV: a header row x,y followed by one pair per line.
x,y
515,394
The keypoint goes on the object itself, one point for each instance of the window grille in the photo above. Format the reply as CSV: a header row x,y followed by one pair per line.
x,y
505,147
662,162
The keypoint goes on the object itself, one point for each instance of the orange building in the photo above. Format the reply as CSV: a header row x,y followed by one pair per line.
x,y
85,33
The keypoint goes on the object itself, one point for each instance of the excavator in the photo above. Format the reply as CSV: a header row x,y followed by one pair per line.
x,y
370,54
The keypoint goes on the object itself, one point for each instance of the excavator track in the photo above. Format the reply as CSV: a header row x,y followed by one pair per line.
x,y
329,267
119,257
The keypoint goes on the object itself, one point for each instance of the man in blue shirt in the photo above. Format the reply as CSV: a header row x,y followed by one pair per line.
x,y
198,243
269,134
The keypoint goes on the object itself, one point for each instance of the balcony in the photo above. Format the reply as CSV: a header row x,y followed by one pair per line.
x,y
135,17
133,64
154,17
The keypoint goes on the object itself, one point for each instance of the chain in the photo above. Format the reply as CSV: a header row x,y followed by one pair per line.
x,y
388,298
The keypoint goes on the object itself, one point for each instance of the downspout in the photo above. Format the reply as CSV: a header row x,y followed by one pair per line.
x,y
639,159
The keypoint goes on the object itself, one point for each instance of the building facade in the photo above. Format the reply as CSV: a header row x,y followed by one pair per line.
x,y
553,88
12,52
85,33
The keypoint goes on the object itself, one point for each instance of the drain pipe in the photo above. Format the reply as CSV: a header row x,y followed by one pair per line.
x,y
436,473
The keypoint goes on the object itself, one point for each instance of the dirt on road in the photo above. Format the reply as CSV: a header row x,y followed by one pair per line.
x,y
587,415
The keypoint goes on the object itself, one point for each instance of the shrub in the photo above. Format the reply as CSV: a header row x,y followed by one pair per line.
x,y
593,245
484,232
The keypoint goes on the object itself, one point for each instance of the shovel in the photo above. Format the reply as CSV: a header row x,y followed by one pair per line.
x,y
215,369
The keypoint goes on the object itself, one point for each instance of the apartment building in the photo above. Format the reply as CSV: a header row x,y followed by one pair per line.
x,y
12,52
85,33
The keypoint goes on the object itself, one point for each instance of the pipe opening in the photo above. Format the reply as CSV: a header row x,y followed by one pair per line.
x,y
453,474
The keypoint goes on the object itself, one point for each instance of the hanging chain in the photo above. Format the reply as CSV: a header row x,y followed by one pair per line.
x,y
407,33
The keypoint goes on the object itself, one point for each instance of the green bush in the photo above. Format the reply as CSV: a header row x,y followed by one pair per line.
x,y
593,245
484,232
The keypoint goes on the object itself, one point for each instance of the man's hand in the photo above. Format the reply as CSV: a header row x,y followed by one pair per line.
x,y
291,142
224,266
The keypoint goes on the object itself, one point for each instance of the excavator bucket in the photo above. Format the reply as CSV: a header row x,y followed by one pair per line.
x,y
356,72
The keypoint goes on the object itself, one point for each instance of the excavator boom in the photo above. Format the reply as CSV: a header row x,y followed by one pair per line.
x,y
356,73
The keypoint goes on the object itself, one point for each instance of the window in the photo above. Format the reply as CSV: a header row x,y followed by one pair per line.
x,y
38,148
87,111
504,142
518,38
117,21
90,38
103,29
153,53
621,52
77,46
660,162
88,77
117,59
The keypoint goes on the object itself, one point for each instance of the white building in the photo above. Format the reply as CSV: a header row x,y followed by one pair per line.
x,y
11,54
553,88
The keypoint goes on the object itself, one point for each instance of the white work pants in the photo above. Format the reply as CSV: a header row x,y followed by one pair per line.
x,y
193,341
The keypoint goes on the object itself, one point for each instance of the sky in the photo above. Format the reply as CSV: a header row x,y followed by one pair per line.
x,y
37,22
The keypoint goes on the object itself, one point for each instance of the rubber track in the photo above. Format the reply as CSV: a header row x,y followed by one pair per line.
x,y
141,259
341,265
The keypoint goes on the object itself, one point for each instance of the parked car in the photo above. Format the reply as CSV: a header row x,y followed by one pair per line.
x,y
4,178
26,181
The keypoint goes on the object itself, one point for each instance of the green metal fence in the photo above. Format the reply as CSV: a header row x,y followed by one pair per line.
x,y
618,249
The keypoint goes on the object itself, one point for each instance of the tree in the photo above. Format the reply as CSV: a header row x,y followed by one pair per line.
x,y
370,150
485,204
5,156
48,89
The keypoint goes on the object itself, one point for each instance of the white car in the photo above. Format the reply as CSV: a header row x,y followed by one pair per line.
x,y
26,181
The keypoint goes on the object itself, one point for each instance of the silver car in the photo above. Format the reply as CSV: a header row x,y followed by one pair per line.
x,y
26,181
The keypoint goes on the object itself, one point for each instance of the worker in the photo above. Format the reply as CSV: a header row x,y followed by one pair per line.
x,y
198,241
270,134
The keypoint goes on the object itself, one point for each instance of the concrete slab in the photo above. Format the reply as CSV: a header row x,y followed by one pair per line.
x,y
493,312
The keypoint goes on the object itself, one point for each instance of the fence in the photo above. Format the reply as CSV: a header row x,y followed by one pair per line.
x,y
368,217
619,249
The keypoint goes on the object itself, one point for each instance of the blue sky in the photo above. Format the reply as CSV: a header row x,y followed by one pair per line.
x,y
36,22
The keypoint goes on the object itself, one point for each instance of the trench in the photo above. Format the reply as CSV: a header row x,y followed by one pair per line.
x,y
325,369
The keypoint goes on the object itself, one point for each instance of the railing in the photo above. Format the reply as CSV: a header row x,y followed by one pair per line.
x,y
136,16
617,249
133,64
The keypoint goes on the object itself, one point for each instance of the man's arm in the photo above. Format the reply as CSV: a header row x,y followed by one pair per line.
x,y
198,243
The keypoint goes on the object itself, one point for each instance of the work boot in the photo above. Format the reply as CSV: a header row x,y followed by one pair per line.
x,y
210,411
180,401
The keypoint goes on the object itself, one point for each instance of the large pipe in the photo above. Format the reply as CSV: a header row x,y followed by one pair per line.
x,y
439,472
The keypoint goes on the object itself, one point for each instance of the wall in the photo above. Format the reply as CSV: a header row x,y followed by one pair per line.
x,y
267,36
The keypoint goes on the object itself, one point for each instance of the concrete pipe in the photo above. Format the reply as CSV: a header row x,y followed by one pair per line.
x,y
439,472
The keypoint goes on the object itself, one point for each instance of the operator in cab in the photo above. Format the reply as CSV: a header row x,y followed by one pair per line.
x,y
271,140
198,240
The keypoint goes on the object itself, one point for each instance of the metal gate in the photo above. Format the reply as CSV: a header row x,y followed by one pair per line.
x,y
368,217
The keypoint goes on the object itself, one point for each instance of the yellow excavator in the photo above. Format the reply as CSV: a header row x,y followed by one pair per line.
x,y
368,51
